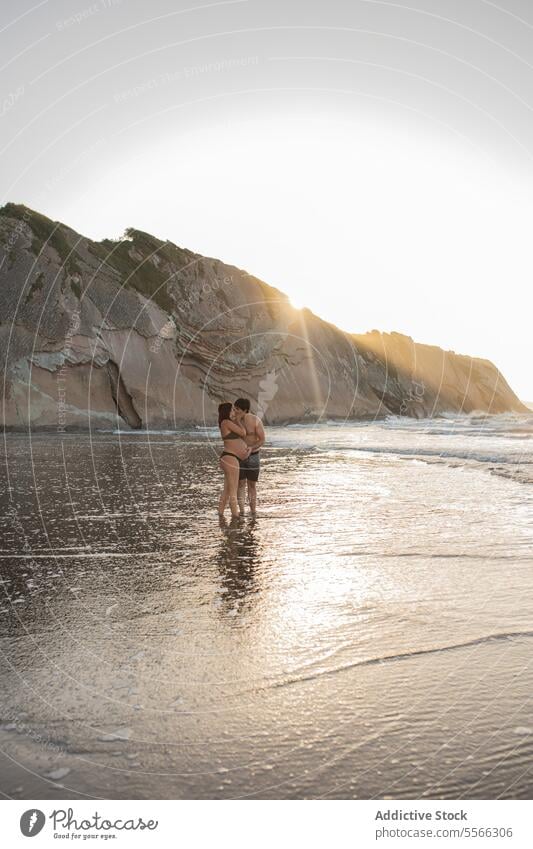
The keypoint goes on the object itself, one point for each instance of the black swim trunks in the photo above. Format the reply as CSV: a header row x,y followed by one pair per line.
x,y
249,468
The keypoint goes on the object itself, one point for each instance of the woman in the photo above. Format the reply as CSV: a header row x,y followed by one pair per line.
x,y
235,449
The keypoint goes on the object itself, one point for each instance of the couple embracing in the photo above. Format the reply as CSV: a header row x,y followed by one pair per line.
x,y
243,435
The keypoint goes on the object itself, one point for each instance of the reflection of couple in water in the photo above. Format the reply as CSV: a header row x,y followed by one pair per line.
x,y
243,435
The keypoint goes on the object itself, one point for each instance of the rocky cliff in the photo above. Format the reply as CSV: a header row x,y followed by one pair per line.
x,y
143,333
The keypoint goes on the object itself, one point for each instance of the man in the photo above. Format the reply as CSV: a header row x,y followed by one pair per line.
x,y
249,469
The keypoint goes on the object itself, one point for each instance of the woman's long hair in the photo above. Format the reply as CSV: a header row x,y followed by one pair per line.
x,y
224,411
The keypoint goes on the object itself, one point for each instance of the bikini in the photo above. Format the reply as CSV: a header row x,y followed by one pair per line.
x,y
230,435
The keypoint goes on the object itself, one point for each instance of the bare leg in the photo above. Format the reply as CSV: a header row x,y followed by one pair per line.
x,y
232,478
230,467
224,495
223,500
240,495
252,495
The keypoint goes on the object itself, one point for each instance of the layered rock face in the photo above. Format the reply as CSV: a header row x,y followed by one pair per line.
x,y
142,333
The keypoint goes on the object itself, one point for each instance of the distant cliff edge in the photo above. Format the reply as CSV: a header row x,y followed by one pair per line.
x,y
143,333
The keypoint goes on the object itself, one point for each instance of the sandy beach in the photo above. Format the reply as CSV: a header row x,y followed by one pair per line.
x,y
368,635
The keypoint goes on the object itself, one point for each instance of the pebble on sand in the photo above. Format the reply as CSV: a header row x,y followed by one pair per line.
x,y
57,774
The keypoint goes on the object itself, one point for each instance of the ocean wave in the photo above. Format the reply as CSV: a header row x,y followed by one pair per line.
x,y
423,453
504,636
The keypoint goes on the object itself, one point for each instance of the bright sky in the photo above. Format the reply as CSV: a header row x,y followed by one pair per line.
x,y
372,159
367,225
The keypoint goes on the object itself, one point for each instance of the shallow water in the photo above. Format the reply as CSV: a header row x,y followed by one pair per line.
x,y
368,635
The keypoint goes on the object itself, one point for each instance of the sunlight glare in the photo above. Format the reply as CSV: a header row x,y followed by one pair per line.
x,y
367,226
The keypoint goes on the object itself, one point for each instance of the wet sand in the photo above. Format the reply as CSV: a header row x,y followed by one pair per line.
x,y
368,635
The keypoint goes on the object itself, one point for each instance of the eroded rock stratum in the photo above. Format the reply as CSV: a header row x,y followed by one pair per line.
x,y
142,333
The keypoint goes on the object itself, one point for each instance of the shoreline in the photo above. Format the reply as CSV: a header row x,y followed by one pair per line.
x,y
185,426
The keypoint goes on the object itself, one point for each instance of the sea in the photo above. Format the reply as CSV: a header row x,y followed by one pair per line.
x,y
368,634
